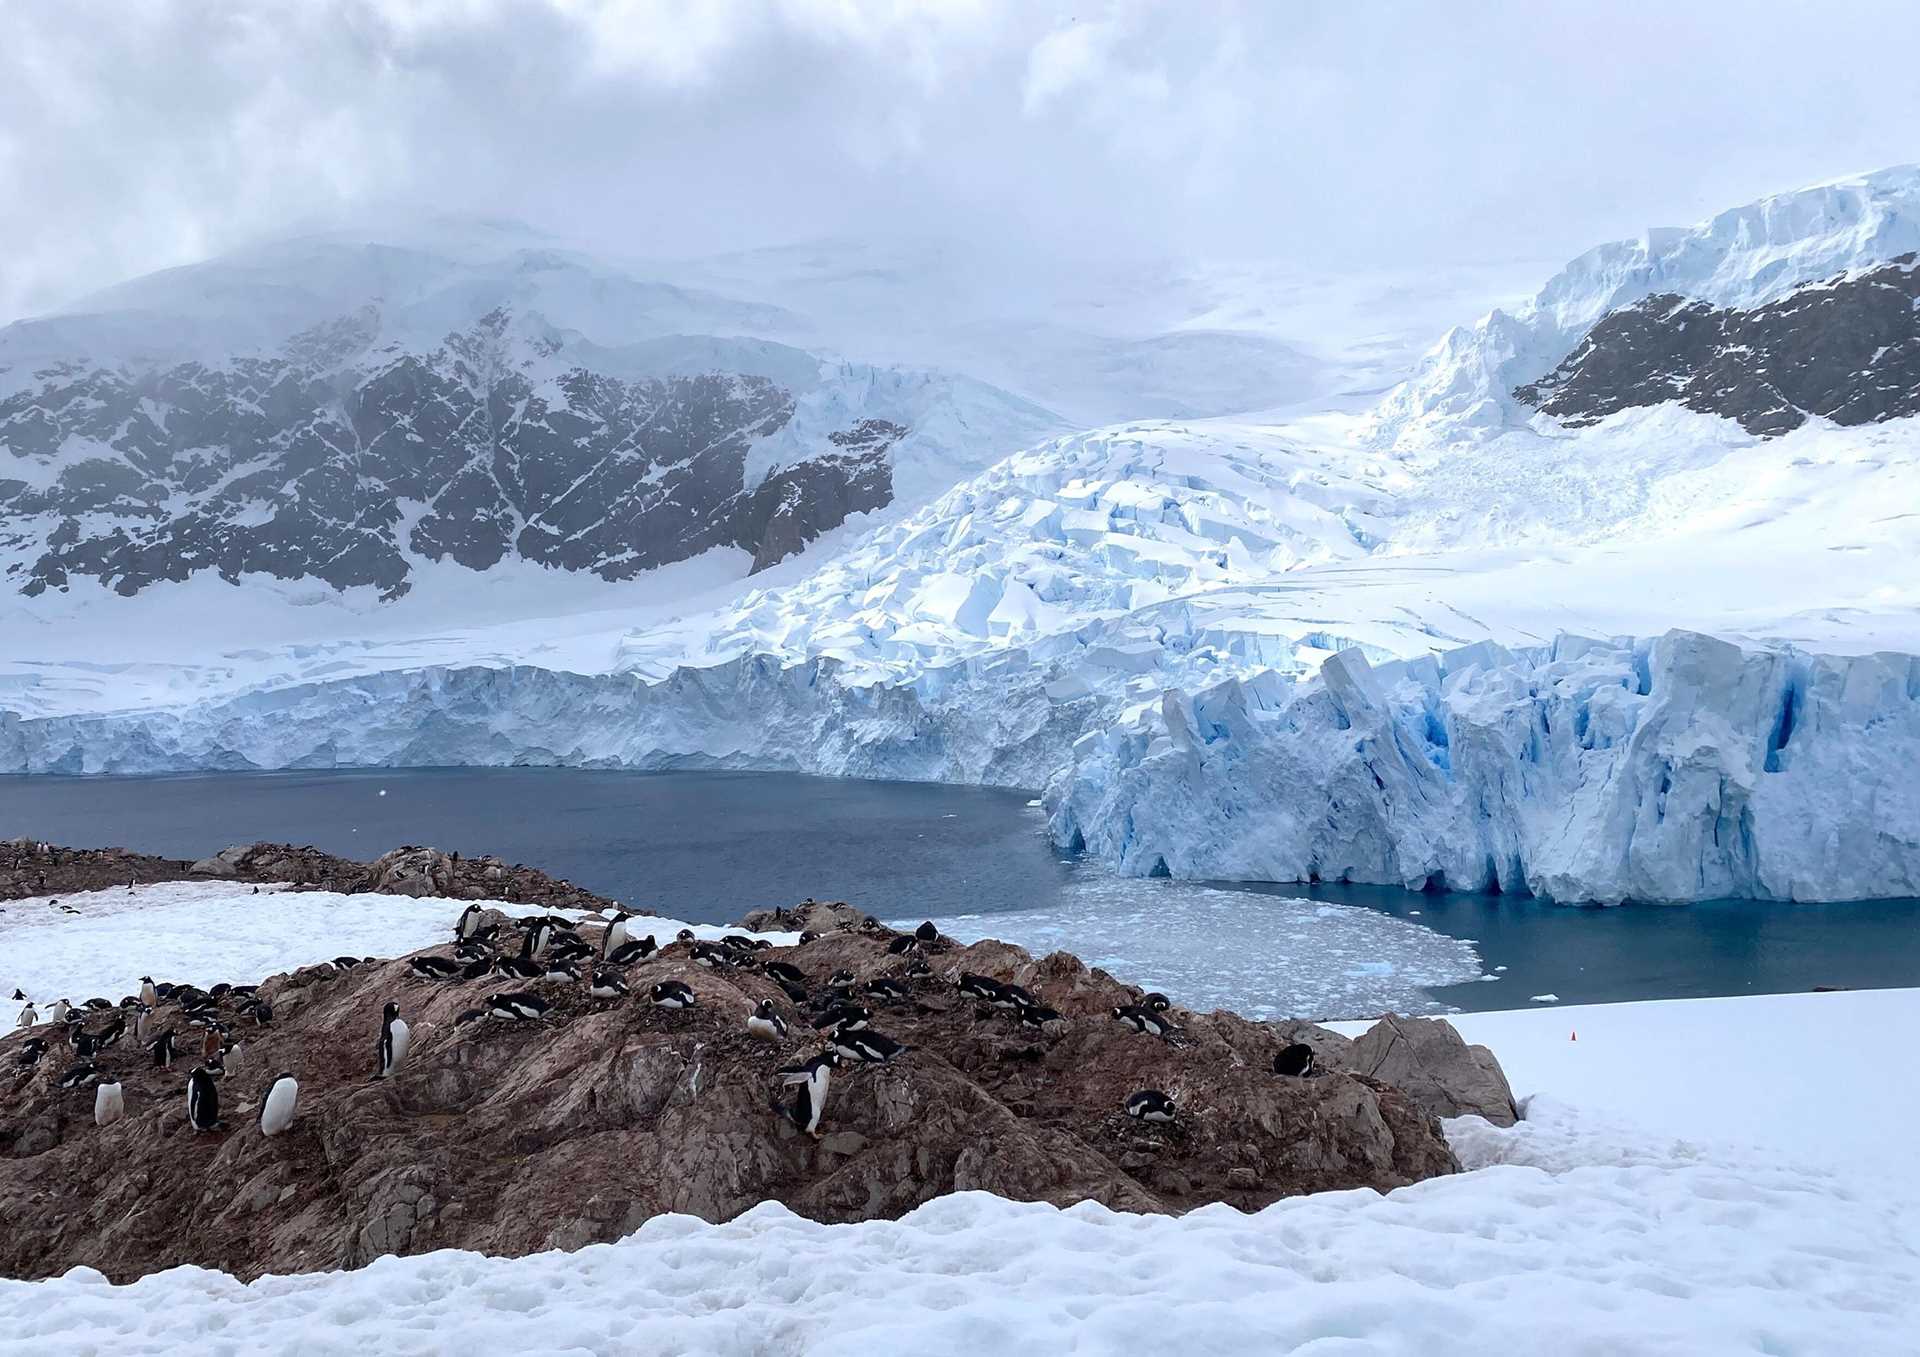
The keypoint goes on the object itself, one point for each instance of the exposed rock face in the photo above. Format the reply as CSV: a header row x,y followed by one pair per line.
x,y
1846,349
340,457
511,1138
1430,1061
30,868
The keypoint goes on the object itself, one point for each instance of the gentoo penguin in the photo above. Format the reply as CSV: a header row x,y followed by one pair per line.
x,y
166,991
148,994
630,951
77,1075
28,1018
81,1040
470,1015
814,1078
142,1025
886,990
539,936
19,994
1296,1061
684,935
871,1047
261,1013
926,932
673,994
603,982
516,1007
979,987
561,973
1155,1002
765,1022
807,935
276,1109
162,1048
1150,1104
110,1034
1142,1020
468,925
108,1106
845,1017
711,955
468,951
841,980
99,1005
616,933
434,967
738,942
522,967
903,944
793,991
1037,1016
1012,997
58,1013
31,1052
783,970
919,969
395,1037
203,1100
346,963
220,991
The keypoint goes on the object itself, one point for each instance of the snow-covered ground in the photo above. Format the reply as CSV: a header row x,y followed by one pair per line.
x,y
203,932
1630,1212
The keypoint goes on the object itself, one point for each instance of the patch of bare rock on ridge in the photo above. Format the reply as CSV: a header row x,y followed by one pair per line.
x,y
511,1137
31,868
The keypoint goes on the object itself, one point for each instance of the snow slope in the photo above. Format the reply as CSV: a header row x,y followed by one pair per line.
x,y
1626,1213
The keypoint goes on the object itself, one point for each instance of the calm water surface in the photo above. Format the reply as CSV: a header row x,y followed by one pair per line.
x,y
709,846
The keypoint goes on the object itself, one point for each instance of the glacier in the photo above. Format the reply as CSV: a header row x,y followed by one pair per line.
x,y
1683,768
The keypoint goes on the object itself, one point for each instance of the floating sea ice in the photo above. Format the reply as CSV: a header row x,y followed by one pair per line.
x,y
1546,998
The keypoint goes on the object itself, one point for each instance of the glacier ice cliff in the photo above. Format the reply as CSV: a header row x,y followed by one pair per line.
x,y
1682,768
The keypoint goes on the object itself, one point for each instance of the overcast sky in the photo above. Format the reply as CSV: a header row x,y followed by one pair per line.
x,y
136,134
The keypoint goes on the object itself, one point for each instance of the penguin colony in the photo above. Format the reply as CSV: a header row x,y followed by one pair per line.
x,y
551,951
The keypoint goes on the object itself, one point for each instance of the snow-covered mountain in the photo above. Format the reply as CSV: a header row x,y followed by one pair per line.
x,y
1705,440
345,411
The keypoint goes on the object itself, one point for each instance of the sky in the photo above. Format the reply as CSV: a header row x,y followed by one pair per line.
x,y
138,134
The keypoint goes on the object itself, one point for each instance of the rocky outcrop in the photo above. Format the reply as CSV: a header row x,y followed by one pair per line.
x,y
1845,349
516,1137
29,868
1430,1062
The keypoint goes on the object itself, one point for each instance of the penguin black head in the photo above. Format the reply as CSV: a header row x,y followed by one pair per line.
x,y
807,935
391,1011
684,935
926,932
1155,1002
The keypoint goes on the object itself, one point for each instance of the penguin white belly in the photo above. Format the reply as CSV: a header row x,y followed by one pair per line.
x,y
815,1093
108,1105
760,1027
402,1037
277,1113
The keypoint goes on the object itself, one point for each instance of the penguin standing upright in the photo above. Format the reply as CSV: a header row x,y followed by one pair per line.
x,y
469,923
395,1037
814,1079
616,933
926,932
203,1100
108,1105
149,995
28,1018
142,1025
162,1048
765,1022
276,1109
58,1013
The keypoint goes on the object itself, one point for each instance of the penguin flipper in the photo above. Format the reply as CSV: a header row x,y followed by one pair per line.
x,y
787,1113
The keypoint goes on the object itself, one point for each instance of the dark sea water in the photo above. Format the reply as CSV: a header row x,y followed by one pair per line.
x,y
710,846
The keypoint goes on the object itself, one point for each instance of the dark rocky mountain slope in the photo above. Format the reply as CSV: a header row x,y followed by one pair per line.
x,y
1846,349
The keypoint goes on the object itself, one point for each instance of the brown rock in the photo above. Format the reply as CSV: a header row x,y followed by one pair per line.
x,y
1434,1065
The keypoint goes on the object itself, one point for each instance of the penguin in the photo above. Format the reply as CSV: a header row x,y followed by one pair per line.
x,y
469,951
395,1037
77,1075
516,1007
684,935
926,932
81,1041
110,1034
814,1079
468,925
30,1053
108,1105
807,935
470,1015
346,963
261,1013
162,1048
1296,1061
476,968
220,991
165,991
631,951
1011,998
142,1026
58,1013
713,957
1155,1002
616,934
871,1047
522,967
673,994
603,982
27,1018
783,970
148,994
538,937
919,969
203,1100
434,967
843,1017
561,972
797,993
903,944
841,980
571,948
885,990
737,942
276,1109
233,1054
765,1022
1037,1016
1141,1020
19,995
979,987
1150,1104
99,1005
